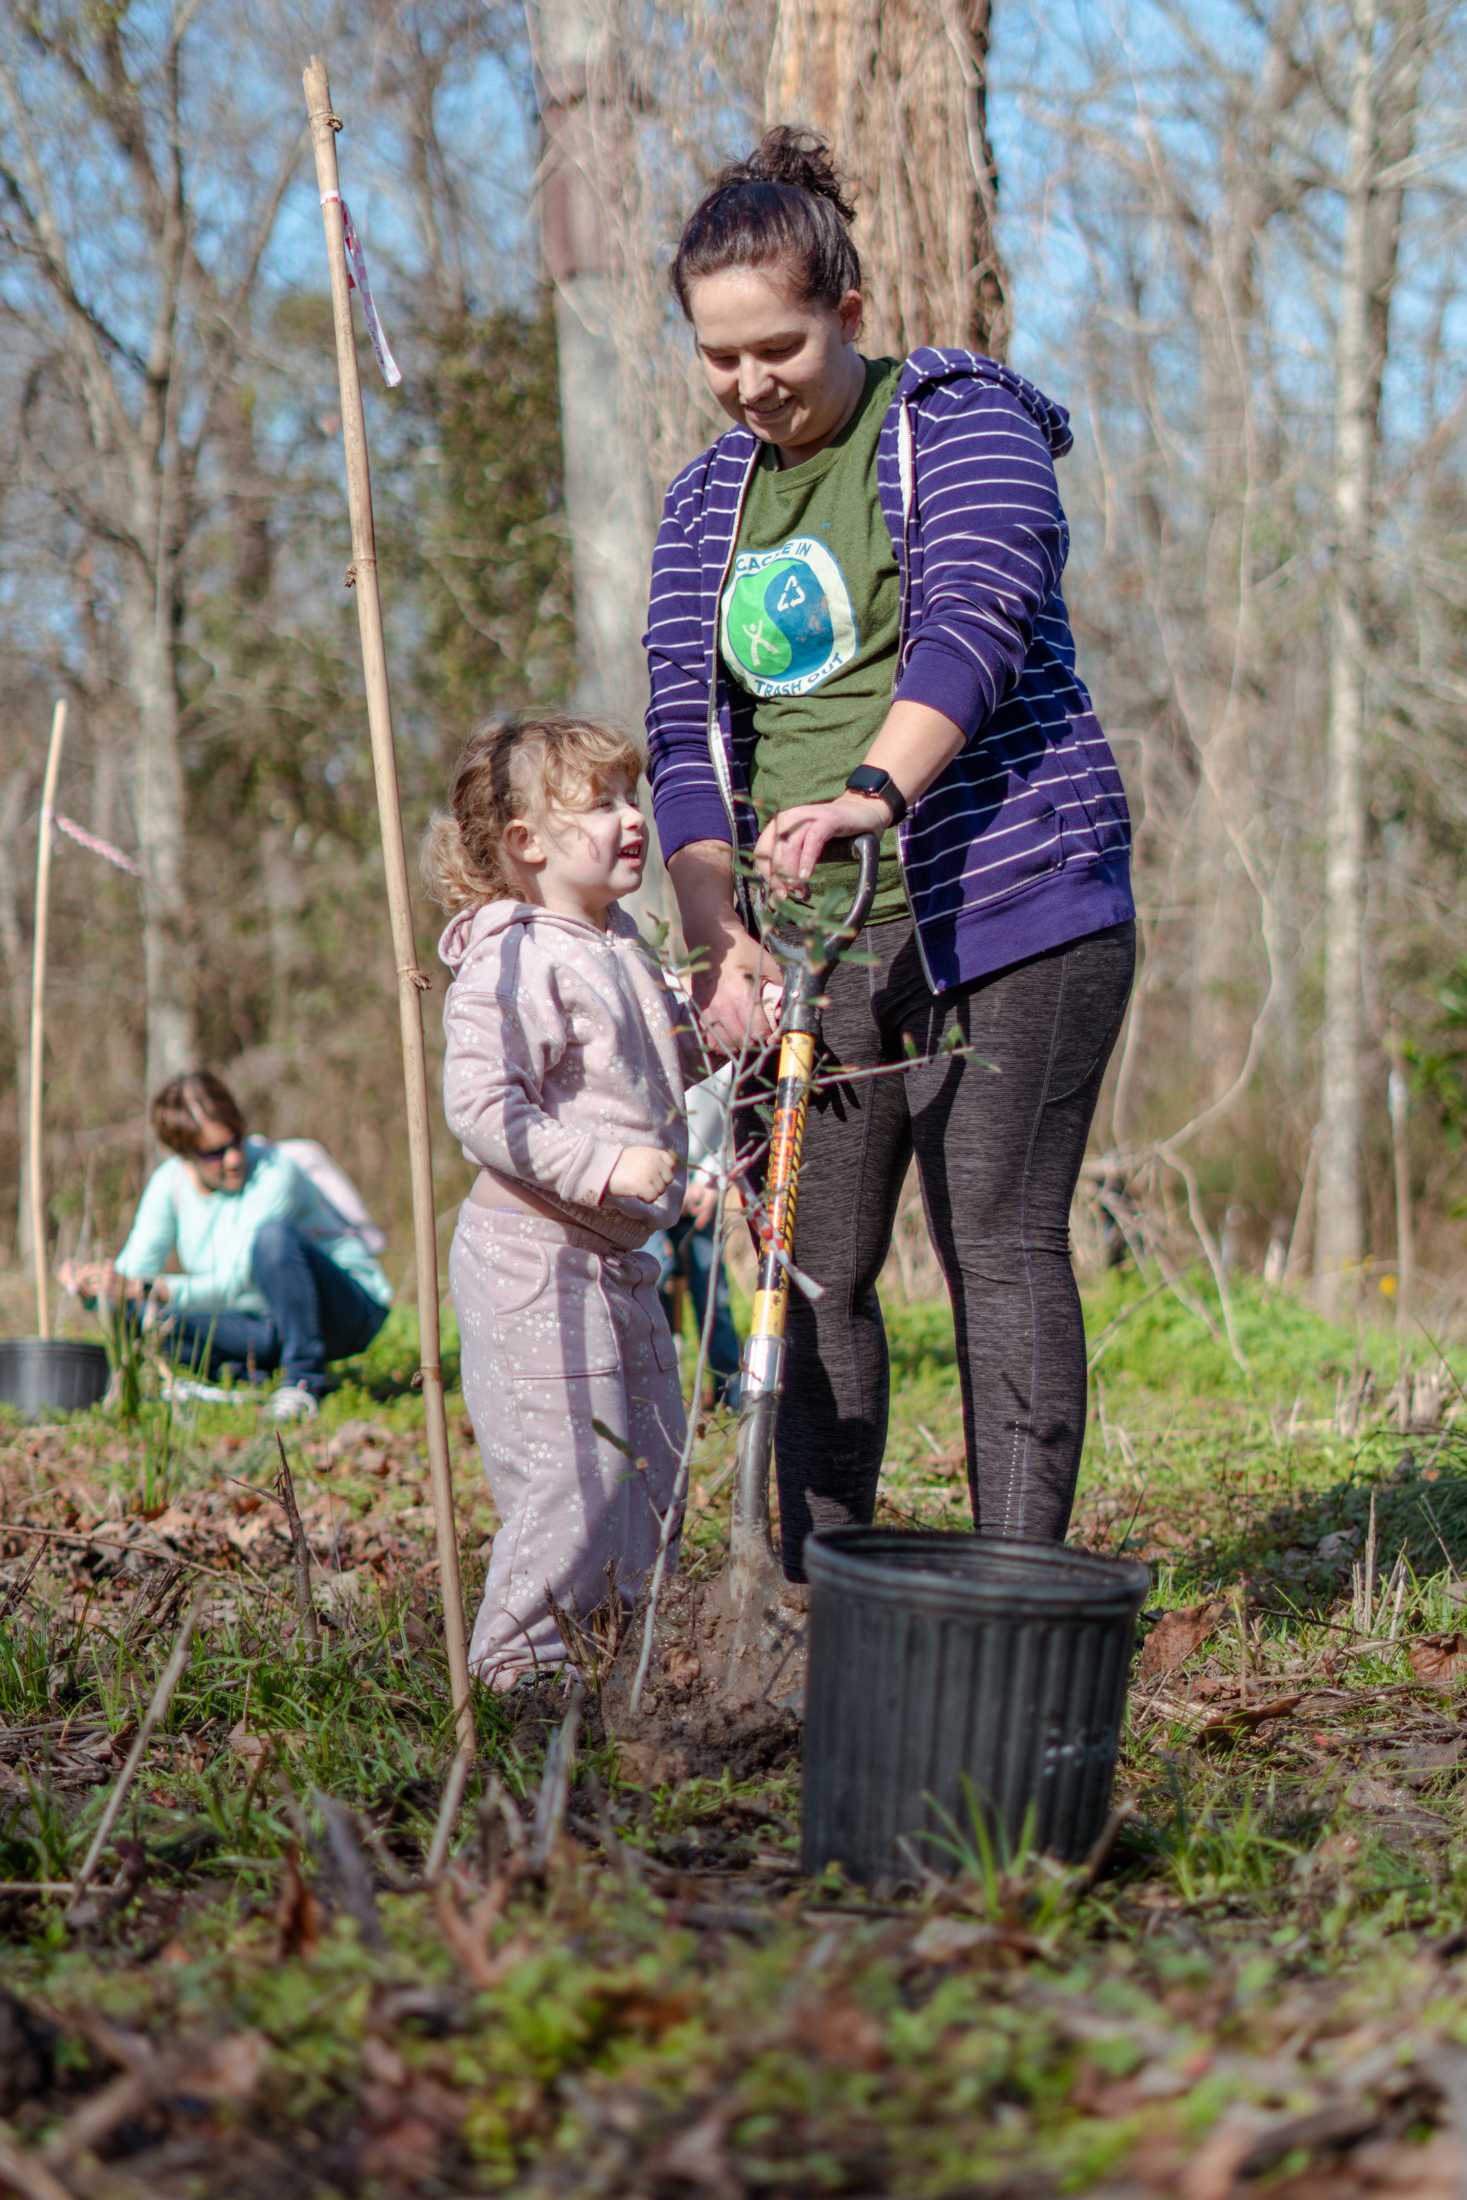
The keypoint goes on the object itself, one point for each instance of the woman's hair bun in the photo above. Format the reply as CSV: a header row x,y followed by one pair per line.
x,y
786,205
788,154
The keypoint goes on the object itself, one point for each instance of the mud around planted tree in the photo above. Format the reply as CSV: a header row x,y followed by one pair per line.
x,y
705,1710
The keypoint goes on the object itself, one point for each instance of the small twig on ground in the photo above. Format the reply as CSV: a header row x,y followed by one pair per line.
x,y
16,1593
448,1809
1364,1579
120,2101
550,1803
618,1852
261,1765
501,1832
141,1550
300,1551
22,2171
1105,1841
349,1868
1425,1504
168,1681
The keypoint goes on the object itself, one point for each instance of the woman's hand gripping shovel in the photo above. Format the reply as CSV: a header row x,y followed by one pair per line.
x,y
749,1599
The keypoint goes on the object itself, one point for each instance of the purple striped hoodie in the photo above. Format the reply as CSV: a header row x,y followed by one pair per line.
x,y
1024,841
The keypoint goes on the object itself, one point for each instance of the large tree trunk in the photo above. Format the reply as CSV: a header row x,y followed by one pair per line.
x,y
583,109
900,87
168,951
1256,184
1383,100
15,791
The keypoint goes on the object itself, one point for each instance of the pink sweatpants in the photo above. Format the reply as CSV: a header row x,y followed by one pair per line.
x,y
559,1332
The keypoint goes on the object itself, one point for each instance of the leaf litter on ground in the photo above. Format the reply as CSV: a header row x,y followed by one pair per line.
x,y
270,1991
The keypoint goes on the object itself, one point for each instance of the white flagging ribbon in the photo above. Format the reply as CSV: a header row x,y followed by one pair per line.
x,y
98,847
356,275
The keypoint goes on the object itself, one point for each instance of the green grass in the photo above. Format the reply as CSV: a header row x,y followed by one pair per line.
x,y
667,2007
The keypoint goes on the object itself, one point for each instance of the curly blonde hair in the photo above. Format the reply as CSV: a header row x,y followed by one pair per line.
x,y
513,768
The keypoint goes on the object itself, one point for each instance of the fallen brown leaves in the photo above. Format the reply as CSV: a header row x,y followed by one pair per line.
x,y
1226,1727
1175,1636
1439,1660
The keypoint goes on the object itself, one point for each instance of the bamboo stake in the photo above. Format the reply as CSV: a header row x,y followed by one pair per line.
x,y
411,981
38,1013
1398,1106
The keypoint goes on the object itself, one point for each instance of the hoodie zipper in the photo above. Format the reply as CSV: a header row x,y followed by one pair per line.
x,y
717,755
907,477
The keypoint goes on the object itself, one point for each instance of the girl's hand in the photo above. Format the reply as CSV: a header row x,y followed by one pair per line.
x,y
643,1172
728,991
791,844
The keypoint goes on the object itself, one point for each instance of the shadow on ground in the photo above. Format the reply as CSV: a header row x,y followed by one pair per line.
x,y
1298,1555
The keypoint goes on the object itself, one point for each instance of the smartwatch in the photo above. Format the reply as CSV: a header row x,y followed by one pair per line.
x,y
871,779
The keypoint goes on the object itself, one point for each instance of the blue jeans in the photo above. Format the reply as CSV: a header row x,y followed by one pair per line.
x,y
316,1313
693,1253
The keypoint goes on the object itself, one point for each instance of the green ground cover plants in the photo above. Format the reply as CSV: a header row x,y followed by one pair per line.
x,y
623,1986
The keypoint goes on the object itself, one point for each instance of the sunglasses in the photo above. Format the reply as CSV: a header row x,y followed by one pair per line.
x,y
218,1153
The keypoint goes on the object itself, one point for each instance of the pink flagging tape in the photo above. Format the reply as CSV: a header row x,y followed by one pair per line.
x,y
356,275
103,848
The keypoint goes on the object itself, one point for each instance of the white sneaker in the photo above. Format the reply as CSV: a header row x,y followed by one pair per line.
x,y
292,1402
183,1389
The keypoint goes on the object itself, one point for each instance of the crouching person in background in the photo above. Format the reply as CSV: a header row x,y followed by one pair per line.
x,y
272,1274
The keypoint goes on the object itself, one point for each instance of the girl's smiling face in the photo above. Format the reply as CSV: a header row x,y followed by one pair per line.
x,y
579,860
789,373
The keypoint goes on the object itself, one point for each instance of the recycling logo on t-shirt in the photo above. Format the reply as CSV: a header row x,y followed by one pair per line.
x,y
787,618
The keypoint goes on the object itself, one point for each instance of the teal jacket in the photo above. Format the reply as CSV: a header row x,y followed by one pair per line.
x,y
213,1233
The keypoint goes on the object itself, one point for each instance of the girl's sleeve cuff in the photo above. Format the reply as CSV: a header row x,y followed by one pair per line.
x,y
585,1181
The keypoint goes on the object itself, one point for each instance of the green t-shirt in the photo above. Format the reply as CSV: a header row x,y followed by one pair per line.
x,y
810,624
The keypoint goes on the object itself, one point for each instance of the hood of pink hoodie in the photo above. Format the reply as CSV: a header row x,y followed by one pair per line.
x,y
488,919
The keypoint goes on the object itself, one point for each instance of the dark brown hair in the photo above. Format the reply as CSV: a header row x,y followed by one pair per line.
x,y
510,768
186,1102
785,204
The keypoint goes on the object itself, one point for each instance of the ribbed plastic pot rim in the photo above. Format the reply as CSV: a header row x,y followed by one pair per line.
x,y
52,1348
992,1575
52,1374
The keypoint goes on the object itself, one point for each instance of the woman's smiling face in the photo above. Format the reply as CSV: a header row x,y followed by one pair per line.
x,y
787,372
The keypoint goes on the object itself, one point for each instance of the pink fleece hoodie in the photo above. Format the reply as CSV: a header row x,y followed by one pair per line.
x,y
565,1044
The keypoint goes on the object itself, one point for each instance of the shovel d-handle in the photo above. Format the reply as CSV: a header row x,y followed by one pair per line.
x,y
808,964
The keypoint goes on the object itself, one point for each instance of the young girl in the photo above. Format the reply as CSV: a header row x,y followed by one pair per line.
x,y
563,1080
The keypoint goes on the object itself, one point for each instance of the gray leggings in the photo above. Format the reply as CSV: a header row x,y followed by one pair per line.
x,y
998,1137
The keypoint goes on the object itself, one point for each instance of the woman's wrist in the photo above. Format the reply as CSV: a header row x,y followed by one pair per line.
x,y
914,746
702,879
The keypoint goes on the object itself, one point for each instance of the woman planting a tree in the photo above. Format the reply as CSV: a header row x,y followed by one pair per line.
x,y
856,625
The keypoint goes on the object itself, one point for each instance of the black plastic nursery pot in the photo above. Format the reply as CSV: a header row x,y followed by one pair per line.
x,y
954,1674
52,1374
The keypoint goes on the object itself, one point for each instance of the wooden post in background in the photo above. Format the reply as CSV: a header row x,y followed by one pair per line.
x,y
410,980
38,1014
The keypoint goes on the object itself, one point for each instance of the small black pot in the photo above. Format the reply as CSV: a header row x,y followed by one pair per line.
x,y
52,1374
951,1674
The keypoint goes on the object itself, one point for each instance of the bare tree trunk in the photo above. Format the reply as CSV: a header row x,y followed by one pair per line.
x,y
900,87
168,957
1383,100
1227,302
583,106
13,793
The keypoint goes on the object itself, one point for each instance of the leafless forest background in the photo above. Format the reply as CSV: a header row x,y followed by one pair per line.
x,y
1228,237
